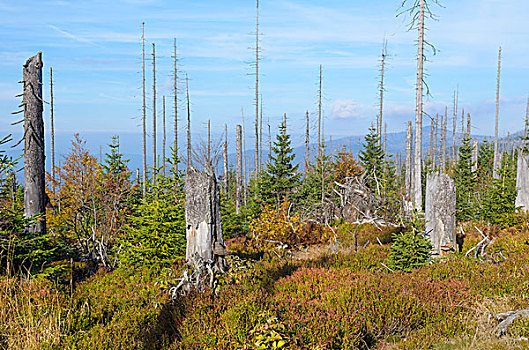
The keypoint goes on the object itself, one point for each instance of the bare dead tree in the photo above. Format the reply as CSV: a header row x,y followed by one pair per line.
x,y
307,145
189,160
269,141
164,135
209,142
320,136
380,107
443,139
144,113
225,156
154,165
256,167
52,127
496,150
435,152
239,169
261,135
35,198
244,157
175,92
454,120
419,10
409,163
385,137
468,125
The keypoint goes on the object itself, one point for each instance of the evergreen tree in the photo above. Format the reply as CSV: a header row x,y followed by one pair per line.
x,y
157,235
483,173
115,165
319,178
372,159
281,176
465,180
499,199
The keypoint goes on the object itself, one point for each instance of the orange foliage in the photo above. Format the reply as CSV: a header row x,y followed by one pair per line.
x,y
345,165
87,205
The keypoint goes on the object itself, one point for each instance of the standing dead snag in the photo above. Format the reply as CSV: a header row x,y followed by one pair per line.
x,y
440,211
522,182
497,161
239,169
203,220
35,199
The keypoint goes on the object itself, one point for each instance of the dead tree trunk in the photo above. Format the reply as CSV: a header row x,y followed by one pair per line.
x,y
225,154
454,123
175,91
189,160
164,135
244,157
417,161
522,181
320,140
203,220
435,151
154,165
443,140
261,135
209,143
440,213
307,145
35,199
380,107
409,164
475,150
52,128
144,113
496,163
256,163
239,189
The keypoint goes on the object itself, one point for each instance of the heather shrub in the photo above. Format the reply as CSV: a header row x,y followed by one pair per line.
x,y
118,310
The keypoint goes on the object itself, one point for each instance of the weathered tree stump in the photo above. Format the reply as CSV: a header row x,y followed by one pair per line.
x,y
522,182
35,198
203,220
440,213
475,151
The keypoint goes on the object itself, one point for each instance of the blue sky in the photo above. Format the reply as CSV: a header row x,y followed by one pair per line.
x,y
94,48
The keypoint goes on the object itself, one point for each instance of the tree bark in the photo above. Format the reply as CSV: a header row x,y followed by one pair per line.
x,y
320,141
417,161
380,107
203,218
440,213
409,163
35,199
522,181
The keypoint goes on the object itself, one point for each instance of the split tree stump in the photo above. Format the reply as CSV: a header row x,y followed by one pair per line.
x,y
440,212
522,182
203,219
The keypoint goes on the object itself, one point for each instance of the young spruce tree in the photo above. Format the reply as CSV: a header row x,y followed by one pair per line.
x,y
281,176
372,159
465,180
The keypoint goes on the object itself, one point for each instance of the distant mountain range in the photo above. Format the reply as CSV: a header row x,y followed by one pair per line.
x,y
130,146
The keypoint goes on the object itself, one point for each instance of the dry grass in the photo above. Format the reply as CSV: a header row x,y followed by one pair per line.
x,y
32,314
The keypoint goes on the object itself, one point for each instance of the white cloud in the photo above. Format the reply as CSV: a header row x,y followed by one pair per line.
x,y
349,109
